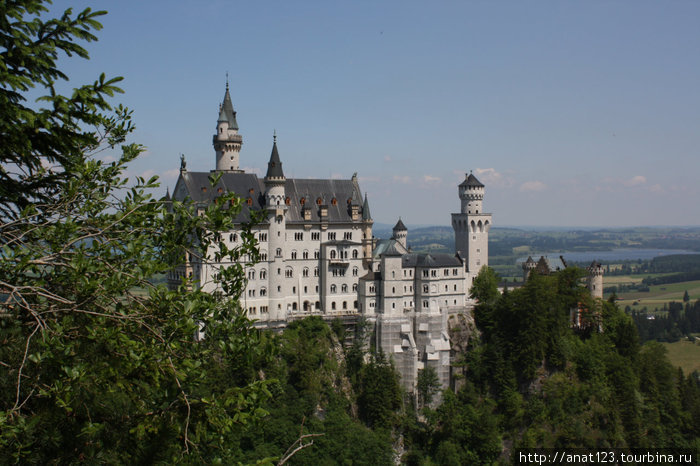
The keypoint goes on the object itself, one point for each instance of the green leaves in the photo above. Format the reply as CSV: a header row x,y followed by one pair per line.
x,y
99,364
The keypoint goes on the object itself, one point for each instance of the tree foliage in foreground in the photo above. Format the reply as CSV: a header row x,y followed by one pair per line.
x,y
96,363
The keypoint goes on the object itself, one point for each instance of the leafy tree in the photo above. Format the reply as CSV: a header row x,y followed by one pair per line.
x,y
380,394
97,363
485,291
686,296
427,385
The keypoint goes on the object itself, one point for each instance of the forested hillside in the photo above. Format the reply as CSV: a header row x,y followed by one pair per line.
x,y
529,380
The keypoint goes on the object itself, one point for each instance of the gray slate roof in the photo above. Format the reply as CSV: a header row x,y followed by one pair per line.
x,y
400,226
430,260
471,180
274,166
388,247
365,210
227,111
248,185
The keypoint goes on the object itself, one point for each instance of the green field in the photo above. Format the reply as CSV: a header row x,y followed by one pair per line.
x,y
658,295
684,354
610,280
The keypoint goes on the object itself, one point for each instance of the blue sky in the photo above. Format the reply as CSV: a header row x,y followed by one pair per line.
x,y
571,113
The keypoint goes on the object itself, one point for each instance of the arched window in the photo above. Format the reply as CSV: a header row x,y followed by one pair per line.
x,y
315,271
334,288
287,201
334,201
319,201
354,271
302,201
345,304
305,272
333,254
355,253
305,254
251,274
278,252
333,305
250,201
344,288
263,291
354,288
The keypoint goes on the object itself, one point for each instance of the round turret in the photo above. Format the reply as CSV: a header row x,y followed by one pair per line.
x,y
595,279
471,193
400,233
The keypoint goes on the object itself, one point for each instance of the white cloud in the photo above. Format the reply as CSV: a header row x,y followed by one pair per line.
x,y
147,174
532,186
368,179
171,174
492,177
337,176
402,179
657,188
431,179
634,181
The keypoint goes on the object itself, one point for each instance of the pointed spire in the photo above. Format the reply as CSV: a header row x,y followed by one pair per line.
x,y
274,166
365,210
400,226
227,113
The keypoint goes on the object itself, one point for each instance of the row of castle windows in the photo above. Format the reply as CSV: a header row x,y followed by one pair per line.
x,y
319,201
298,236
289,272
434,273
294,307
253,310
343,254
233,237
343,288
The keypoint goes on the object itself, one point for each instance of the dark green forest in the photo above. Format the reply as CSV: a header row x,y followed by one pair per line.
x,y
527,380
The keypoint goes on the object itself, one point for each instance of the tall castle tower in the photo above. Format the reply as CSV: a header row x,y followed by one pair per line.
x,y
472,226
227,141
595,279
276,210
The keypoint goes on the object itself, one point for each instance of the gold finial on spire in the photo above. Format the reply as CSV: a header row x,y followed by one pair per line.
x,y
274,136
227,80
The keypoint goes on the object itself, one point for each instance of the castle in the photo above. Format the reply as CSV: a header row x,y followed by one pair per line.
x,y
318,256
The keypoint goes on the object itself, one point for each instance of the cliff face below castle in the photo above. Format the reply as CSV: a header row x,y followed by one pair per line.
x,y
462,329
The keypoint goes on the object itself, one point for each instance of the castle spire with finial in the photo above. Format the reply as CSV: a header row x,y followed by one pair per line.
x,y
227,141
274,166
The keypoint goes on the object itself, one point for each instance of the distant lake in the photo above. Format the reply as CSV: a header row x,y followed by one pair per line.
x,y
612,255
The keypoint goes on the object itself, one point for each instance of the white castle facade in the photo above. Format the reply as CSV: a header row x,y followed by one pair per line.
x,y
319,257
